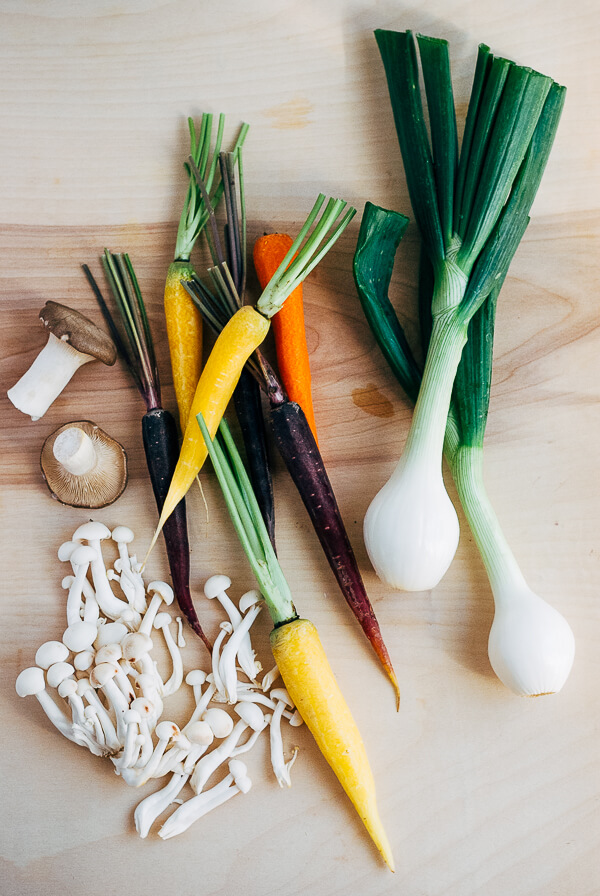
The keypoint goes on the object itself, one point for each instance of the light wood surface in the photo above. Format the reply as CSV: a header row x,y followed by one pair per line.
x,y
481,792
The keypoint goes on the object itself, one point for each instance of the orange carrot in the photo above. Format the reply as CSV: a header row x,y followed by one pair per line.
x,y
288,326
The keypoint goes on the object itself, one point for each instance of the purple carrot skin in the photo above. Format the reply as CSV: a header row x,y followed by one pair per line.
x,y
159,431
248,408
302,457
161,444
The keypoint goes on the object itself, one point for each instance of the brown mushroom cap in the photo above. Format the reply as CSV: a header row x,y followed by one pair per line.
x,y
99,487
80,332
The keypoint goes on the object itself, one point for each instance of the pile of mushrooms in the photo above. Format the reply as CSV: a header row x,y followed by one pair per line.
x,y
101,688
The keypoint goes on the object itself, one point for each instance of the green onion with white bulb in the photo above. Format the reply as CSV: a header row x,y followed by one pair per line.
x,y
531,646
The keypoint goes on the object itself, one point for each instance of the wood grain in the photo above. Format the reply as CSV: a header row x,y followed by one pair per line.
x,y
482,792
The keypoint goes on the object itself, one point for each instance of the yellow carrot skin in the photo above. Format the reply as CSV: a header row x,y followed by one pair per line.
x,y
242,334
184,334
311,684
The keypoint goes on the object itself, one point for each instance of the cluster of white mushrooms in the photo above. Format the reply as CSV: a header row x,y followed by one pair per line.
x,y
101,688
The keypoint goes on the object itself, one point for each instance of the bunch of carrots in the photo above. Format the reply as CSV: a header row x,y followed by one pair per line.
x,y
203,393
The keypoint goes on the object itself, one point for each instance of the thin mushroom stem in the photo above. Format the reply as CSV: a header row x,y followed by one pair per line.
x,y
154,805
227,660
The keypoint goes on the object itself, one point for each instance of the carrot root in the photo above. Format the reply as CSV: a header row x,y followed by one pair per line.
x,y
311,684
288,326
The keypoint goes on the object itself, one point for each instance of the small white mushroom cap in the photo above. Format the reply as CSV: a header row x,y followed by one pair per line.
x,y
67,688
248,599
80,636
200,733
195,677
165,591
166,730
220,722
216,585
110,633
132,716
162,619
51,652
30,682
123,534
83,660
66,549
58,672
143,706
102,674
109,653
239,771
251,714
135,645
83,555
91,531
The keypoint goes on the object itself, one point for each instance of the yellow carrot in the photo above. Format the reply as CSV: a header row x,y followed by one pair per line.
x,y
242,334
184,321
311,684
184,334
295,643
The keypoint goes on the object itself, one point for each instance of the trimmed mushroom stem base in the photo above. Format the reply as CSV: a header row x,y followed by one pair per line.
x,y
47,377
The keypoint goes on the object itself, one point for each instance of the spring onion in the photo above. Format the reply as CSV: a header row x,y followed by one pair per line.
x,y
472,210
531,645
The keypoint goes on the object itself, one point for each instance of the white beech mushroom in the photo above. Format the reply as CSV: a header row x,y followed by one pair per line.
x,y
161,593
132,720
102,677
229,654
250,717
81,559
154,805
237,781
51,652
73,340
79,636
164,731
83,466
110,633
281,768
173,683
216,588
88,692
226,628
94,533
147,711
67,689
31,683
203,699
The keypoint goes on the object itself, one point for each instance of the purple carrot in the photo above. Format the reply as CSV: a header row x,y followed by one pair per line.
x,y
301,455
248,409
159,431
161,444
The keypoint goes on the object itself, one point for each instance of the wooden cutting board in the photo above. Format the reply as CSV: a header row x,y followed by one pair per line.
x,y
481,792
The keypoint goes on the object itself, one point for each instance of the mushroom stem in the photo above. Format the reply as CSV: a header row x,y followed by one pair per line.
x,y
227,661
173,683
237,781
154,805
75,451
47,377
